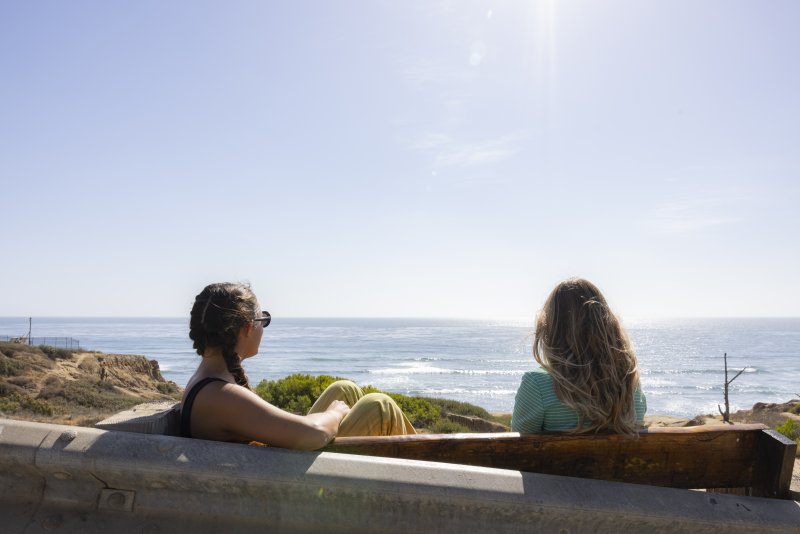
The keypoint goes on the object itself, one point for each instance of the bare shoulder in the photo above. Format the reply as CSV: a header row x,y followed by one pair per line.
x,y
235,406
229,412
225,394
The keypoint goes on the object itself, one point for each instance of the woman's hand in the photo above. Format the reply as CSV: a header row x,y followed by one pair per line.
x,y
340,408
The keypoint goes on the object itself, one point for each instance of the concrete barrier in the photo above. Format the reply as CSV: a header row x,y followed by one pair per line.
x,y
75,479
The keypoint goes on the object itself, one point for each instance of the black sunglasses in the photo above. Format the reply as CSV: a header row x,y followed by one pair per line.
x,y
265,319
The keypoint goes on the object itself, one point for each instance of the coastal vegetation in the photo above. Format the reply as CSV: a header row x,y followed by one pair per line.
x,y
296,393
56,385
791,429
40,383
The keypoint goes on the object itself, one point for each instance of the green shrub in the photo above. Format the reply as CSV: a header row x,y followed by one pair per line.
x,y
16,402
22,381
91,394
105,385
9,367
55,353
419,410
36,406
295,393
796,409
53,386
790,429
7,388
460,408
169,388
503,418
446,426
9,404
446,406
298,392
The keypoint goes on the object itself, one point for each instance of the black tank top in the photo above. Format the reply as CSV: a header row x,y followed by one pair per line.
x,y
186,409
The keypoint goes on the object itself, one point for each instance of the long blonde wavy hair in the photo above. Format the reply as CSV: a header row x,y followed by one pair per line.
x,y
583,346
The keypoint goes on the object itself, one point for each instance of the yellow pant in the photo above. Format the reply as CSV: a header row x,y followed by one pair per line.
x,y
375,414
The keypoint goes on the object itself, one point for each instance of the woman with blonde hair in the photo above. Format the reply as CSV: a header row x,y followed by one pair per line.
x,y
588,380
226,326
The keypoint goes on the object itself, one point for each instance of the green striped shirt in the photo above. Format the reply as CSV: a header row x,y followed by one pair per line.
x,y
538,409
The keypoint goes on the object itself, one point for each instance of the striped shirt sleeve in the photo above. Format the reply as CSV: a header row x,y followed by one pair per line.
x,y
528,415
640,404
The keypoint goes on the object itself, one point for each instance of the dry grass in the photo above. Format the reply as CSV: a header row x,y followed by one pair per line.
x,y
78,388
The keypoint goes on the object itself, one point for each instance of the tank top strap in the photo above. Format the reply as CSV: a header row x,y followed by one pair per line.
x,y
186,409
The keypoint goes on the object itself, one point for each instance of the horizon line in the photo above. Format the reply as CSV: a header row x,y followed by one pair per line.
x,y
396,317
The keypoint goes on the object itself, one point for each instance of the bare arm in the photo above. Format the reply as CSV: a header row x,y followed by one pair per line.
x,y
230,412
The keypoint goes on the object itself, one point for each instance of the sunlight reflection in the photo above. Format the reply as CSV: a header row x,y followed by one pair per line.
x,y
476,53
544,52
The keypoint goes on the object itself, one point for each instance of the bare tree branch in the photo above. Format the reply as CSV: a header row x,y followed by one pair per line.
x,y
737,375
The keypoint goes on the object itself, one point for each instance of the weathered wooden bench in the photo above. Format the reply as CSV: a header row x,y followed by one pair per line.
x,y
708,457
751,459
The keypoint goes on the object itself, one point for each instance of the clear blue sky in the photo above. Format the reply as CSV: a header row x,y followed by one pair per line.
x,y
418,158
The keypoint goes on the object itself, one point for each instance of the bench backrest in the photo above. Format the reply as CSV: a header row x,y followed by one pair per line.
x,y
740,456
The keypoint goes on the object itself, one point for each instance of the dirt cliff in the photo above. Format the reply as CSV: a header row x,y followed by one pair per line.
x,y
74,387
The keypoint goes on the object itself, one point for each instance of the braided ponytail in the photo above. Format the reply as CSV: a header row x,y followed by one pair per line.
x,y
218,314
234,364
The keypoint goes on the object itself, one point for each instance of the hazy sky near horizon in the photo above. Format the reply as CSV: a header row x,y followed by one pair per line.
x,y
419,158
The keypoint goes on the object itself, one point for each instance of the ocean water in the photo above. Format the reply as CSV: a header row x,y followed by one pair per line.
x,y
680,360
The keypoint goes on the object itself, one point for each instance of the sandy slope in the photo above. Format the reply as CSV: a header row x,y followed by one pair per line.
x,y
77,388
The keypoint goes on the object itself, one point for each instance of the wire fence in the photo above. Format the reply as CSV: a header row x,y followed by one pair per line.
x,y
58,342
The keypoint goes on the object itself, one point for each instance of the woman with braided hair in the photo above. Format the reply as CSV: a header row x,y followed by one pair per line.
x,y
226,327
588,380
